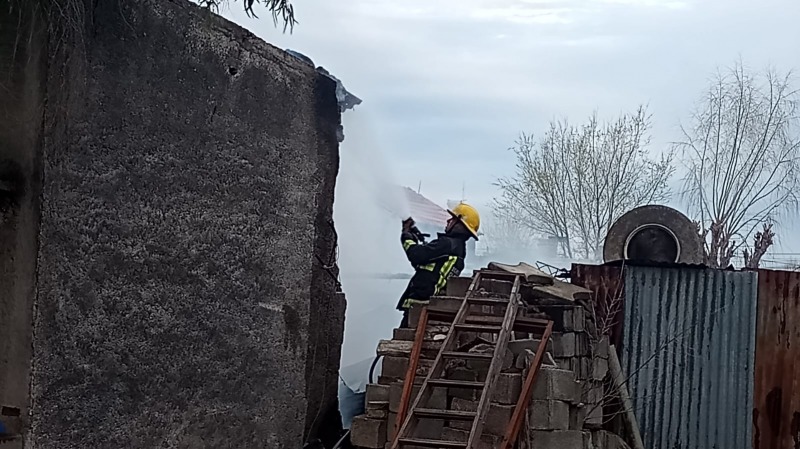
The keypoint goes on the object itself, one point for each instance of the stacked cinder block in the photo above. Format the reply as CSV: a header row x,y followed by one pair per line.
x,y
577,348
565,411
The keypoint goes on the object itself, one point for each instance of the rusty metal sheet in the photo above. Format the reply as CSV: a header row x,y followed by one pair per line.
x,y
689,352
606,284
776,413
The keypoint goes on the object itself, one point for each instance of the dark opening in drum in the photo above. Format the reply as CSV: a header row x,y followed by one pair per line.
x,y
653,243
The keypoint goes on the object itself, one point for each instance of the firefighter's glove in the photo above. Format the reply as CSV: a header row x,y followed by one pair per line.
x,y
407,235
408,231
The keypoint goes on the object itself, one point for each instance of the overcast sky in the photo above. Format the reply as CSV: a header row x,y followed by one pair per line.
x,y
448,85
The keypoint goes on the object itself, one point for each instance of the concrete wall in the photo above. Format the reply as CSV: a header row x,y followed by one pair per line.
x,y
188,172
22,63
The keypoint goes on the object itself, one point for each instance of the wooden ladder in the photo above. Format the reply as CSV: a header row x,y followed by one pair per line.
x,y
464,321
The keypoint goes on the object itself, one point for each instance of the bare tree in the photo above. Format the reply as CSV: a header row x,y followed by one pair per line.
x,y
741,152
576,181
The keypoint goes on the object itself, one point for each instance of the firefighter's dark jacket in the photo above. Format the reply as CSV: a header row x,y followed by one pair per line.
x,y
434,263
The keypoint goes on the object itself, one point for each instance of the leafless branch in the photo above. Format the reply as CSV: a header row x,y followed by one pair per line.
x,y
282,10
761,243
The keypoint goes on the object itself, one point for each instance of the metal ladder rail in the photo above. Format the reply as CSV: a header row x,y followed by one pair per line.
x,y
521,408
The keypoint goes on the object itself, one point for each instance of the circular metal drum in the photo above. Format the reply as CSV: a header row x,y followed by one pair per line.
x,y
654,233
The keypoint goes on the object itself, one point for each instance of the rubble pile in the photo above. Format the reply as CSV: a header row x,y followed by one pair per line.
x,y
566,409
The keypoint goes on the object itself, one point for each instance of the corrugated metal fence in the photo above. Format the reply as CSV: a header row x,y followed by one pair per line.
x,y
776,416
689,342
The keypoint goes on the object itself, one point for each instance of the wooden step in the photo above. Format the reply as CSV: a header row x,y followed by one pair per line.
x,y
488,302
521,324
456,383
455,415
433,443
466,355
498,275
478,328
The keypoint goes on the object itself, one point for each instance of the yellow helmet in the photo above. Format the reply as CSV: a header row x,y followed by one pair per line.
x,y
469,216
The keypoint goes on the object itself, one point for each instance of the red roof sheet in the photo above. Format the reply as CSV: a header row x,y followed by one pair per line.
x,y
424,210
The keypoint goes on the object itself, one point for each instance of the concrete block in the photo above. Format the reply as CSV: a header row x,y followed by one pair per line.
x,y
571,344
425,429
462,373
447,302
461,435
586,368
524,360
404,334
599,368
564,344
560,439
574,319
462,405
413,315
458,286
390,423
394,367
433,332
557,385
583,345
519,346
481,367
508,388
377,410
438,398
453,434
423,368
429,429
566,318
594,416
564,363
508,361
581,366
577,416
383,380
592,392
549,415
498,289
497,418
601,348
377,405
368,433
376,392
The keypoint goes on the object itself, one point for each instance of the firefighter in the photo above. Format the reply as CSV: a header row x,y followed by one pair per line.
x,y
436,261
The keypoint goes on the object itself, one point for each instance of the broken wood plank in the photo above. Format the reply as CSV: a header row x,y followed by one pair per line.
x,y
402,348
528,272
634,438
562,290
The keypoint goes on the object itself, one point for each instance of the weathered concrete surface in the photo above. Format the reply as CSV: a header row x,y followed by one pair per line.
x,y
186,207
22,64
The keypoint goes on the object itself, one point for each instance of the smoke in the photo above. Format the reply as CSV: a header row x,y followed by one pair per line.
x,y
367,210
